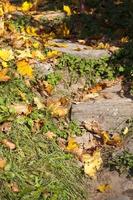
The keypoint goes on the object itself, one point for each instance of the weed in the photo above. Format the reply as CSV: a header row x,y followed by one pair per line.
x,y
53,78
91,69
123,162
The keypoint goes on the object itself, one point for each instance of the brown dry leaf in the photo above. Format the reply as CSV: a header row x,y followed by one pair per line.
x,y
14,187
5,127
21,108
97,88
8,144
50,135
47,87
116,140
62,143
93,127
2,163
81,42
89,96
104,188
3,76
92,163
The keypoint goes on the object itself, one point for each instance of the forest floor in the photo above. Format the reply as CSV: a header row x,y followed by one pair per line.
x,y
53,147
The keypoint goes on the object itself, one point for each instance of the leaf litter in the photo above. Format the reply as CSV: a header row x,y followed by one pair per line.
x,y
22,53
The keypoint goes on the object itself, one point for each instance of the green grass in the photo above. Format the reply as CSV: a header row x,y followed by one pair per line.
x,y
39,167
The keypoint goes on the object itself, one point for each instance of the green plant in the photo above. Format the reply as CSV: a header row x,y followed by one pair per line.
x,y
92,69
53,78
122,162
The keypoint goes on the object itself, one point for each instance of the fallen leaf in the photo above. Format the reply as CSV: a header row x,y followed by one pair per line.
x,y
47,87
26,6
103,188
50,135
38,102
38,54
52,54
3,76
22,54
24,68
8,144
4,64
67,10
89,96
21,108
116,140
14,187
57,110
2,163
92,163
72,144
6,54
5,127
125,132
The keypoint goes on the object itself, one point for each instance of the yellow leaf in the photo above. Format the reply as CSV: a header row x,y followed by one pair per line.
x,y
38,103
26,6
24,53
92,163
31,30
103,188
1,11
38,54
66,31
24,68
3,76
59,111
23,95
6,54
52,54
67,10
36,44
125,132
4,64
2,28
2,163
72,144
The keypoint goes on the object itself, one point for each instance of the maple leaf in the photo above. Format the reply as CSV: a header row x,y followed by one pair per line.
x,y
26,6
52,54
6,54
92,163
72,144
57,110
67,10
3,76
103,188
24,68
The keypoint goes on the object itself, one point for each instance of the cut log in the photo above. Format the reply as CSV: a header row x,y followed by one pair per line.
x,y
79,50
111,114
